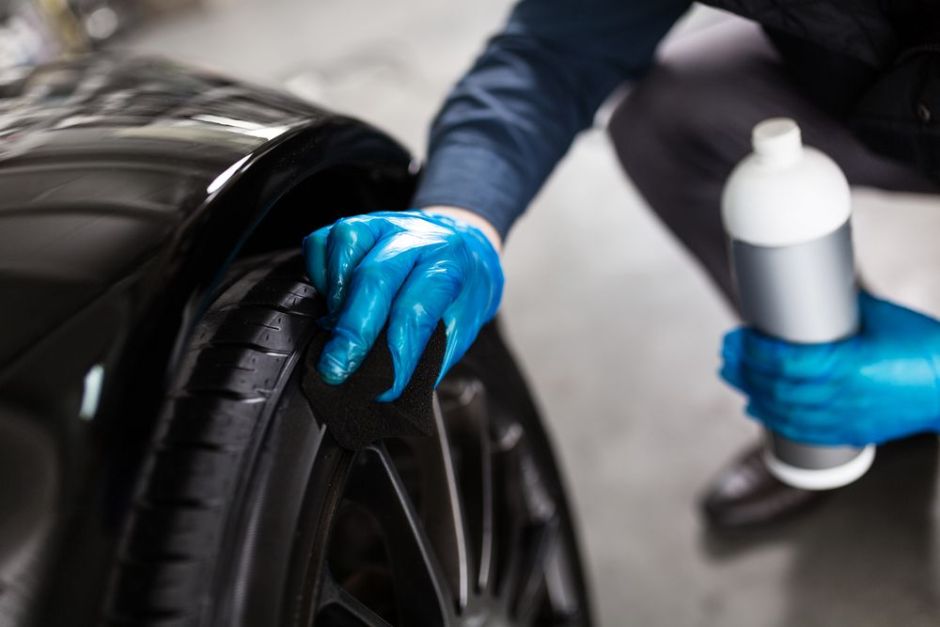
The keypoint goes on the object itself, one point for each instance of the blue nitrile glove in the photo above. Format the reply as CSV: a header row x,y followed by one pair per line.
x,y
880,385
410,268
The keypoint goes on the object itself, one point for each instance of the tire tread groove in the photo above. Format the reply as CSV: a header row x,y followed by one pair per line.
x,y
239,351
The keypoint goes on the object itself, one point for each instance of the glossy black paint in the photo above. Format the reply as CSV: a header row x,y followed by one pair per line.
x,y
126,188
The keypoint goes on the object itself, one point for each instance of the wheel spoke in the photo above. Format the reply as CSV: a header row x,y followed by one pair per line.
x,y
465,408
418,578
333,597
442,511
527,528
527,590
559,586
487,525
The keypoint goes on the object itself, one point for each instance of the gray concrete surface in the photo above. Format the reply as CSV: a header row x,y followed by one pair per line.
x,y
619,333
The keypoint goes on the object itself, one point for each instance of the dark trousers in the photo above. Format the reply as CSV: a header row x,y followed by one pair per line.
x,y
683,128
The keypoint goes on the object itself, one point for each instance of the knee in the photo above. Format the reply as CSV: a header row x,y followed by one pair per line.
x,y
673,126
644,119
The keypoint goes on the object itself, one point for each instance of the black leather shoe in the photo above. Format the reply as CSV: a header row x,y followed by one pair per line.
x,y
746,496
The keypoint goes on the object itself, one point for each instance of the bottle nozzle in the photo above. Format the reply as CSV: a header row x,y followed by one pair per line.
x,y
777,140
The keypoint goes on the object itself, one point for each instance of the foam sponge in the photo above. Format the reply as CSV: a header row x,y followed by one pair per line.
x,y
350,411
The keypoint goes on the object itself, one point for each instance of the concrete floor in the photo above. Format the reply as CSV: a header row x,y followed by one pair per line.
x,y
619,333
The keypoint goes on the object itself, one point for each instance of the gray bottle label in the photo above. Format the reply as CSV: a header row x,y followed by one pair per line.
x,y
805,293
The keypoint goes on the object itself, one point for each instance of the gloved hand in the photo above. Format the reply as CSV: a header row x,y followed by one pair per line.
x,y
880,385
410,268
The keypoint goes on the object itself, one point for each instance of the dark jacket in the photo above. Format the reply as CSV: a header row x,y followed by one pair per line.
x,y
513,116
875,62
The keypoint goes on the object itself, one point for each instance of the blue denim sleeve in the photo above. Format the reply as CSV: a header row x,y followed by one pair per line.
x,y
536,85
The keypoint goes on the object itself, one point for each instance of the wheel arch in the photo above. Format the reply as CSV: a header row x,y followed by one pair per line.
x,y
277,195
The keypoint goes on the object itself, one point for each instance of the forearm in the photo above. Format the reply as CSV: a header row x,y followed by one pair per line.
x,y
509,121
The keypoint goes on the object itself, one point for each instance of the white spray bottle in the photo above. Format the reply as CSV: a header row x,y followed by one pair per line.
x,y
787,212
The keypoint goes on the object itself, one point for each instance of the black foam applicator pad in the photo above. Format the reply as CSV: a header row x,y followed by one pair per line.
x,y
350,410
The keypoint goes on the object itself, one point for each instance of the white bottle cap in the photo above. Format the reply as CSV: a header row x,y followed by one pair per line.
x,y
777,140
784,193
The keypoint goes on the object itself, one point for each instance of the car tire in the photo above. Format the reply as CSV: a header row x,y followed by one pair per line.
x,y
248,513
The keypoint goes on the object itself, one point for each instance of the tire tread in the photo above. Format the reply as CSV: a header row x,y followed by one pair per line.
x,y
206,438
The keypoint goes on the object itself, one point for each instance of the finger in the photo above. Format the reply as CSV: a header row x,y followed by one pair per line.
x,y
781,378
372,288
730,354
805,393
350,241
783,359
420,305
462,322
476,305
733,341
876,310
315,258
732,347
867,300
808,426
875,430
881,317
731,374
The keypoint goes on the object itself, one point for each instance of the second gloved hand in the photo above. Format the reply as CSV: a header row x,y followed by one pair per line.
x,y
879,385
411,269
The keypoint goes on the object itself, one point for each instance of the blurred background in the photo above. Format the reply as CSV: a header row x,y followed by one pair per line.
x,y
616,327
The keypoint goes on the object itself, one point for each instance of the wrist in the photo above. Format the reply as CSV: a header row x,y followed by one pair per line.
x,y
473,219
